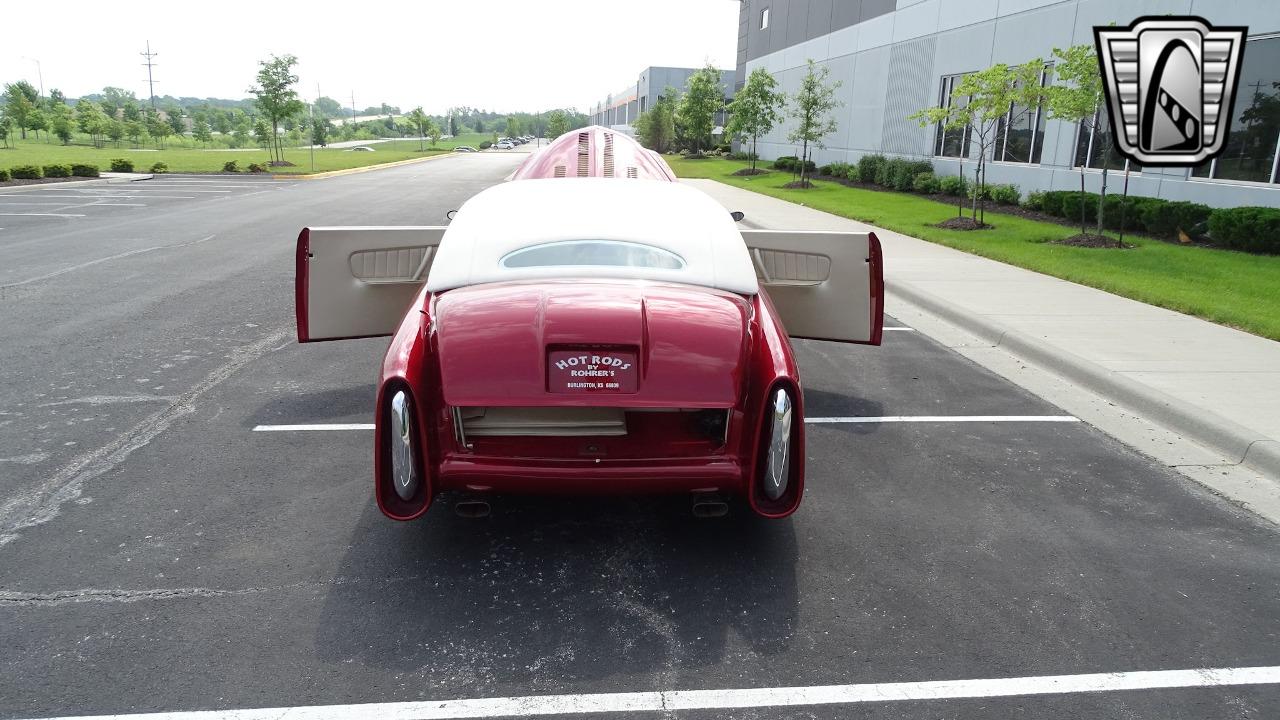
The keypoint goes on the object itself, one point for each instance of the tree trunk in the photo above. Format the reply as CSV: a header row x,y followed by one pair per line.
x,y
753,153
1082,230
804,164
1102,196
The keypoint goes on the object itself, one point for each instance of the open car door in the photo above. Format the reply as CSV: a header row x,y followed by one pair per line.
x,y
357,282
824,285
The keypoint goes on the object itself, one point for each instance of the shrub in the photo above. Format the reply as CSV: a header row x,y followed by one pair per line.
x,y
786,162
748,156
983,192
925,182
1051,202
26,172
1006,194
723,148
1071,206
159,168
1164,218
257,168
904,173
1254,229
230,166
4,175
851,172
952,185
885,172
1034,201
57,171
121,165
81,170
1132,206
824,170
869,167
486,144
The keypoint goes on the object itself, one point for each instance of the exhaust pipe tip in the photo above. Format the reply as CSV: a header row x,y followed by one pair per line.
x,y
709,505
471,509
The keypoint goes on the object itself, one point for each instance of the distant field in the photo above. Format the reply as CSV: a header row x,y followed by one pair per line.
x,y
31,152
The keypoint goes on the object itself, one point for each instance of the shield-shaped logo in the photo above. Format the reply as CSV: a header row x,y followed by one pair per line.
x,y
1170,82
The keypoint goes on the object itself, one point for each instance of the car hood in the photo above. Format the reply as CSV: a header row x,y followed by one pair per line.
x,y
493,341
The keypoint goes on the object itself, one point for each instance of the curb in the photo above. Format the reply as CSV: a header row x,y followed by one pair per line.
x,y
353,171
73,183
1205,427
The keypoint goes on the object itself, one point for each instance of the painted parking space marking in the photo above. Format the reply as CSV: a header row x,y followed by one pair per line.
x,y
686,700
129,196
943,419
91,263
313,428
38,214
329,427
900,328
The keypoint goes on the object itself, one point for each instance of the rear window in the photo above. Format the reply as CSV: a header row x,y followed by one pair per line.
x,y
613,253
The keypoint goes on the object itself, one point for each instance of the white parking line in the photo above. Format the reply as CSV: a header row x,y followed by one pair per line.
x,y
119,197
324,427
6,214
942,419
684,700
147,190
901,329
81,266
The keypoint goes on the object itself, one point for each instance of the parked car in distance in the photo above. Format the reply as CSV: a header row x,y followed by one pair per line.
x,y
504,145
361,148
464,149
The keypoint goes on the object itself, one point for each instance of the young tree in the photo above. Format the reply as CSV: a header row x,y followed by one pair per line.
x,y
557,123
262,133
37,120
755,109
276,97
479,125
21,100
92,121
115,130
434,131
174,114
132,112
320,131
811,107
200,129
453,126
703,98
979,101
513,126
6,127
134,130
418,121
61,122
113,100
157,127
1074,98
656,127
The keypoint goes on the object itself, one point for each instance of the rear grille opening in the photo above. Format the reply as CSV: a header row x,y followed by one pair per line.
x,y
560,171
608,155
598,433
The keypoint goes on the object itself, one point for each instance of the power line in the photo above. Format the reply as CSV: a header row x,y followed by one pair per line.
x,y
151,83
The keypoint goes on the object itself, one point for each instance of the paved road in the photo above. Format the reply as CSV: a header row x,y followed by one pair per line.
x,y
159,556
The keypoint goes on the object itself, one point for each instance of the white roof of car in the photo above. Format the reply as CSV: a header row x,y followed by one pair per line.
x,y
521,214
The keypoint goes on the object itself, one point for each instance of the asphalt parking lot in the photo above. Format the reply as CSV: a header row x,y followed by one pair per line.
x,y
159,555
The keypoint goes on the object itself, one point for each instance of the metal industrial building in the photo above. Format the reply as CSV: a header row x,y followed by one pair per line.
x,y
896,57
620,110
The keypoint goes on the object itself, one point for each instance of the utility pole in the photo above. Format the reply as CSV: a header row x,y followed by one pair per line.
x,y
151,83
39,73
353,106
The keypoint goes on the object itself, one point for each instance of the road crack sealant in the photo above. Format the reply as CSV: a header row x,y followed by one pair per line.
x,y
42,503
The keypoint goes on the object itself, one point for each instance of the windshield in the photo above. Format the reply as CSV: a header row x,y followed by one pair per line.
x,y
614,253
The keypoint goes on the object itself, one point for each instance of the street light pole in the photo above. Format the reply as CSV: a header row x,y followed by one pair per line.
x,y
39,74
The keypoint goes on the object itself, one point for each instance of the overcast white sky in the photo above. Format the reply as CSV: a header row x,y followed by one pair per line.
x,y
497,55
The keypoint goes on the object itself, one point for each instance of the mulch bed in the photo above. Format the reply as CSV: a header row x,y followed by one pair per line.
x,y
750,171
798,185
963,223
1092,241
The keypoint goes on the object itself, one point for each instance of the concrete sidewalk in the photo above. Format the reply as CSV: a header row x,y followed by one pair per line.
x,y
1216,386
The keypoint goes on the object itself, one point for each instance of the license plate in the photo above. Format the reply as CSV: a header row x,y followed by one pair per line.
x,y
592,371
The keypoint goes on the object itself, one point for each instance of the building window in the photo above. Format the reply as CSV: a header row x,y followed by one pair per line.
x,y
1253,140
1020,133
764,18
1095,145
952,142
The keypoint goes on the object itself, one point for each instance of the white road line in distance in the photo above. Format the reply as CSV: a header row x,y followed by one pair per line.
x,y
35,214
119,197
313,428
81,266
943,419
677,700
900,329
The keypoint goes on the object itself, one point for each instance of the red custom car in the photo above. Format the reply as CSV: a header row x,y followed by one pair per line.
x,y
585,334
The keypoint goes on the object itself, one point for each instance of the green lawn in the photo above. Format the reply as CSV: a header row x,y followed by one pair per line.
x,y
183,159
1231,288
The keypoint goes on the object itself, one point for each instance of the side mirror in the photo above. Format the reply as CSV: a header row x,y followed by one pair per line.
x,y
737,215
449,215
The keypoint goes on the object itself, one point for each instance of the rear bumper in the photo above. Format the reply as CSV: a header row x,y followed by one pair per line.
x,y
577,479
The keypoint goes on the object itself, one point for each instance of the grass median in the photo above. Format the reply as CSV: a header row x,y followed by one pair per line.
x,y
198,160
1231,288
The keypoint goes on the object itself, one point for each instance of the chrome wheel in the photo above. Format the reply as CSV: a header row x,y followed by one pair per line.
x,y
404,472
777,469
